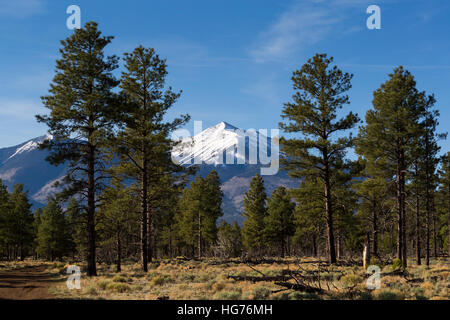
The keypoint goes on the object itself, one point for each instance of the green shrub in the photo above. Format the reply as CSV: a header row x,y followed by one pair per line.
x,y
102,284
261,293
118,286
229,295
389,295
351,280
397,264
91,290
119,278
303,296
161,279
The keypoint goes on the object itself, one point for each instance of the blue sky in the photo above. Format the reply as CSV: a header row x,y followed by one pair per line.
x,y
232,59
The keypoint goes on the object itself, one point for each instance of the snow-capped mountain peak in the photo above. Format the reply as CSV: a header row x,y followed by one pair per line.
x,y
30,145
218,145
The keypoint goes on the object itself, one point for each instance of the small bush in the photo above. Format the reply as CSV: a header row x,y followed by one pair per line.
x,y
397,264
102,284
389,295
218,286
91,290
351,280
118,287
260,293
119,278
229,295
303,296
161,279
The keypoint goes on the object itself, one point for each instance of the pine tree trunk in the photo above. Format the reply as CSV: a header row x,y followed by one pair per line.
x,y
404,220
399,208
149,234
144,194
418,257
314,246
329,211
448,226
435,248
199,234
374,229
91,260
427,240
119,252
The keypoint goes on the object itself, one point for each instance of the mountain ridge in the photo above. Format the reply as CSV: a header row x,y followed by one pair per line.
x,y
25,163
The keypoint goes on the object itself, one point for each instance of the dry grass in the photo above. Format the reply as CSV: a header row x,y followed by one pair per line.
x,y
199,280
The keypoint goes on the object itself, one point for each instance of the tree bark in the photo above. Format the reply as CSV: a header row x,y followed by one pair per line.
x,y
144,194
374,228
199,235
149,234
119,252
399,214
91,260
418,257
329,214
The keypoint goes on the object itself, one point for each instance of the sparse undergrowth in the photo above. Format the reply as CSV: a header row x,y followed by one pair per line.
x,y
208,279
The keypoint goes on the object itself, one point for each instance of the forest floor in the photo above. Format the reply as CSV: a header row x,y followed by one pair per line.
x,y
293,279
26,281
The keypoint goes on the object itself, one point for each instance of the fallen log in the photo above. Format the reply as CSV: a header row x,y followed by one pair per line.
x,y
299,287
259,279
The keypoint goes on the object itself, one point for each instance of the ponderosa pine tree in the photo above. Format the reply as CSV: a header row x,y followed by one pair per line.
x,y
76,225
255,210
21,220
429,139
53,238
374,192
229,240
389,132
200,208
144,143
118,209
308,215
82,115
5,211
320,94
279,221
444,188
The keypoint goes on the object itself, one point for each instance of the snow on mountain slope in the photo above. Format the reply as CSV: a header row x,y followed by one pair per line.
x,y
220,144
26,164
30,145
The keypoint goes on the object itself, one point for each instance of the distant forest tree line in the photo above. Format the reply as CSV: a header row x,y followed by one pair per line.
x,y
125,200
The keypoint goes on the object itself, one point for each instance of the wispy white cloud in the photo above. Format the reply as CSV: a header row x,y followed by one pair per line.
x,y
303,24
20,8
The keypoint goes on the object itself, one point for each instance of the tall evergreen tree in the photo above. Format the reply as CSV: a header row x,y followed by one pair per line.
x,y
5,212
279,222
320,94
389,132
21,221
118,209
444,188
255,210
201,207
81,119
309,215
53,236
144,144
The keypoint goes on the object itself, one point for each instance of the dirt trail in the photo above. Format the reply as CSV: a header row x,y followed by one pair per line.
x,y
26,284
